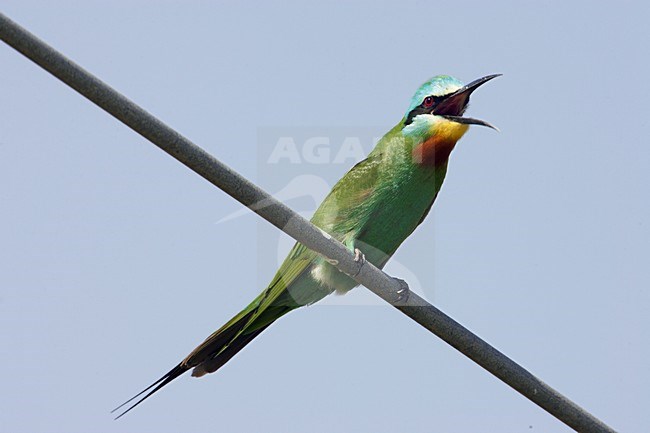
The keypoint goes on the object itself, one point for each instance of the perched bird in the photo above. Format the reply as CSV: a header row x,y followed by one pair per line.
x,y
371,210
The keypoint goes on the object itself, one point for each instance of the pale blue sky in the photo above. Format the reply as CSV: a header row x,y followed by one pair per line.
x,y
112,265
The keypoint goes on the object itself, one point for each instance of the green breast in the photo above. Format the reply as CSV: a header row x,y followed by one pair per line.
x,y
401,207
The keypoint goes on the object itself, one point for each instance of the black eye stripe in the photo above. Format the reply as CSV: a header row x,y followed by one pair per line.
x,y
434,100
423,108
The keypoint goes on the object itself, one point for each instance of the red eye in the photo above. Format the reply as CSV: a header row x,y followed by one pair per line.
x,y
428,102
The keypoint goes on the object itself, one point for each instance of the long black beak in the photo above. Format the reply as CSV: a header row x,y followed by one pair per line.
x,y
454,105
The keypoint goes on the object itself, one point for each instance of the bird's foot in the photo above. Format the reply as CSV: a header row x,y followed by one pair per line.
x,y
360,258
402,294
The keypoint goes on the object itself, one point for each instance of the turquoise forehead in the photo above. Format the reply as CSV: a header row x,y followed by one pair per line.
x,y
437,86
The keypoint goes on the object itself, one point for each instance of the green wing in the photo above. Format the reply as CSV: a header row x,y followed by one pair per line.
x,y
342,214
347,207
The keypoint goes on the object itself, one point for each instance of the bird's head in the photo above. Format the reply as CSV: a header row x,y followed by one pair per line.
x,y
435,117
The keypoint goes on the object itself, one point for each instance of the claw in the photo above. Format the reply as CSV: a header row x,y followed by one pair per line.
x,y
360,258
402,294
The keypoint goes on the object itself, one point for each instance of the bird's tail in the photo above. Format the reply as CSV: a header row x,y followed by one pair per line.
x,y
213,353
157,385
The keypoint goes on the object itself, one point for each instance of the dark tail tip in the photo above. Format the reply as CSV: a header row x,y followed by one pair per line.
x,y
157,385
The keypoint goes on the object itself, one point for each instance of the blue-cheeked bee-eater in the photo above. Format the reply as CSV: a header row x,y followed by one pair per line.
x,y
371,210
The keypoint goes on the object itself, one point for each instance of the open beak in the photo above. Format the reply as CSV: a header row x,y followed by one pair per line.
x,y
454,105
